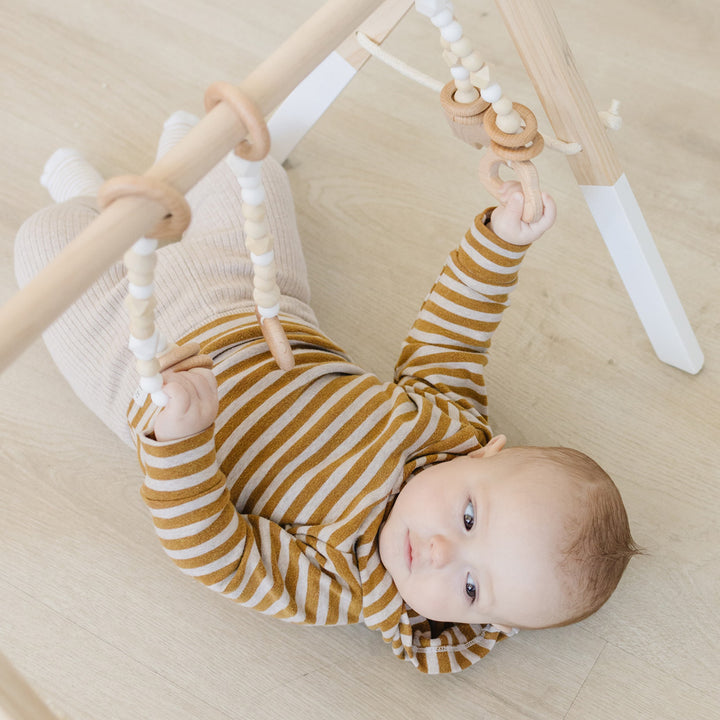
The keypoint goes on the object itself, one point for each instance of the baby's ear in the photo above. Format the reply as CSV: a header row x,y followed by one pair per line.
x,y
492,448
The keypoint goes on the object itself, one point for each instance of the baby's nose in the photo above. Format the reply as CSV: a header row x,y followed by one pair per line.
x,y
440,551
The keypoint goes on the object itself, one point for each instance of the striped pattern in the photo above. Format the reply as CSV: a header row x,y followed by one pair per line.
x,y
278,506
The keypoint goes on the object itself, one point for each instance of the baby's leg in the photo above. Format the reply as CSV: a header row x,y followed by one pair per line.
x,y
208,274
213,258
89,341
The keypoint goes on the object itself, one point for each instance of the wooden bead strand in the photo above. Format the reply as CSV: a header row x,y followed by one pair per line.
x,y
146,343
259,242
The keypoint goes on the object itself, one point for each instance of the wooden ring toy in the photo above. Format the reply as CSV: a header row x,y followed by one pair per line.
x,y
258,145
489,171
519,154
455,109
173,225
277,341
512,140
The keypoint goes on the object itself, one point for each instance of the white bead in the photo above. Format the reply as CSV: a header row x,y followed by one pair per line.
x,y
264,259
145,246
452,32
492,93
273,311
151,384
443,18
250,181
144,349
431,7
459,72
253,196
160,398
141,292
242,167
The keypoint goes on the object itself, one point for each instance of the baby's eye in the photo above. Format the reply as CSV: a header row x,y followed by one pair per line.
x,y
470,587
469,516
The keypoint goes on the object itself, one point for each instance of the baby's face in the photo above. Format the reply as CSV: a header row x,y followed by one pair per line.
x,y
477,539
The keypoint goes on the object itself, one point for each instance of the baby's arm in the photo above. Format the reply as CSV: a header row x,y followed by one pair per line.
x,y
444,355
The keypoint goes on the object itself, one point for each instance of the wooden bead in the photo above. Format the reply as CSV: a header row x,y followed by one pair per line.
x,y
141,263
266,299
148,368
481,78
256,229
519,154
466,94
259,246
503,106
253,212
140,278
450,58
142,327
136,307
462,47
473,62
264,285
510,123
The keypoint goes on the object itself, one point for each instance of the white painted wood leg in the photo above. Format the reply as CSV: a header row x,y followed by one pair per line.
x,y
643,272
306,104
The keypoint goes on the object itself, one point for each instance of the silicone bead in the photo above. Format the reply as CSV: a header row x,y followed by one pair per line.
x,y
249,181
142,292
160,398
459,72
492,93
145,246
144,349
443,18
253,196
431,7
268,312
264,259
452,32
151,384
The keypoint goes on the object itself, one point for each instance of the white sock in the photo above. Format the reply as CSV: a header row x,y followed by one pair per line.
x,y
67,174
176,127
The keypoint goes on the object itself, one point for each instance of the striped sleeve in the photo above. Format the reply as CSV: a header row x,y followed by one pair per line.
x,y
247,558
445,353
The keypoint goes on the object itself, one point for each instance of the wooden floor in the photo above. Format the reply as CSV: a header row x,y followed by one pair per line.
x,y
91,611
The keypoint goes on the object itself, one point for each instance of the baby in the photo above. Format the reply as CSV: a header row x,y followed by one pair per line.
x,y
323,495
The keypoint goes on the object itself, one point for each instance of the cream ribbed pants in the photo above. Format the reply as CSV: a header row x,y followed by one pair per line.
x,y
205,276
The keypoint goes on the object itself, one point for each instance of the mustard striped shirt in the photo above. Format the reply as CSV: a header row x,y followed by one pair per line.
x,y
278,506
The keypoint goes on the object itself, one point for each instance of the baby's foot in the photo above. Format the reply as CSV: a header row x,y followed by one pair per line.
x,y
67,174
176,127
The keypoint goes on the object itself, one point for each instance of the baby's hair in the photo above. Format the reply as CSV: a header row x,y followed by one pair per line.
x,y
600,544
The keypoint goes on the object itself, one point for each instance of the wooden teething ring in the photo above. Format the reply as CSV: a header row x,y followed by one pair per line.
x,y
259,144
512,140
519,154
173,225
489,171
460,110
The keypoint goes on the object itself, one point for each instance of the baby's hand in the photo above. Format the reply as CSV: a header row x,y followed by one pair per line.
x,y
506,220
192,405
